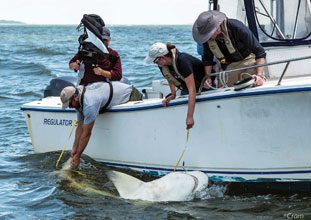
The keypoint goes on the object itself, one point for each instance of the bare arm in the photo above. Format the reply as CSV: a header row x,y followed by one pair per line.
x,y
99,71
260,78
77,138
191,100
172,96
86,132
260,61
208,70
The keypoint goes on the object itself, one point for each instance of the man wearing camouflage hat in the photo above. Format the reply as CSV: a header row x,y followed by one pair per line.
x,y
232,43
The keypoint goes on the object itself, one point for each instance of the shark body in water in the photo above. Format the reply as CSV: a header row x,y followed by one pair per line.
x,y
175,186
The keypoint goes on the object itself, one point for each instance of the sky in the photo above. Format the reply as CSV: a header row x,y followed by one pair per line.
x,y
125,12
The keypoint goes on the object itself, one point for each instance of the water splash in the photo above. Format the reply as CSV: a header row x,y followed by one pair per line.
x,y
213,191
79,180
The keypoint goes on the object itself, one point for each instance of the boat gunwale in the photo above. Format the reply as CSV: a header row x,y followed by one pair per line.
x,y
206,96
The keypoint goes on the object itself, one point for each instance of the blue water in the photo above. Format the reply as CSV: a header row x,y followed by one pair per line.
x,y
30,56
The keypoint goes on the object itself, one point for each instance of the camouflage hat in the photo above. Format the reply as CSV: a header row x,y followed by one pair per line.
x,y
206,25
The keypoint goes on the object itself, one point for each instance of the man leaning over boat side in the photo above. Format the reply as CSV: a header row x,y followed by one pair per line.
x,y
89,101
181,70
99,68
232,43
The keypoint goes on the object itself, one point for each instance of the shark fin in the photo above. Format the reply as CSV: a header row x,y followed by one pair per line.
x,y
125,184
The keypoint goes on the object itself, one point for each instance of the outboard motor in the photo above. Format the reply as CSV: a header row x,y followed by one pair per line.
x,y
57,85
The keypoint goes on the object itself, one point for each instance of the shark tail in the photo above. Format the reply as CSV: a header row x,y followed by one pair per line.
x,y
125,184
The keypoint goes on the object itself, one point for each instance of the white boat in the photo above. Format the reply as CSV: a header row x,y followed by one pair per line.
x,y
257,134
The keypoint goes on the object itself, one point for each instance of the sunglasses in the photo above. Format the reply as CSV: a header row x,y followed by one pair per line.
x,y
70,102
157,59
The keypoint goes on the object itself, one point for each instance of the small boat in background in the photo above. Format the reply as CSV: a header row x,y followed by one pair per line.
x,y
258,135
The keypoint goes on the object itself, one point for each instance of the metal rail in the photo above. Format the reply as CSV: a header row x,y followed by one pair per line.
x,y
272,20
287,61
296,20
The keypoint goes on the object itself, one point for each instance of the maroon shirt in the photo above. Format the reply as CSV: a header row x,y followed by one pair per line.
x,y
114,68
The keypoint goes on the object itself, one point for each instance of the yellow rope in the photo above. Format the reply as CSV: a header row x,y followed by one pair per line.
x,y
182,154
78,172
64,147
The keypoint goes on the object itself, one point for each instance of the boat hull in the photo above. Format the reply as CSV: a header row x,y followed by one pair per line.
x,y
256,135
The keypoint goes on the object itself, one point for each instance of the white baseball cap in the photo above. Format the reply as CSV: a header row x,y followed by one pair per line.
x,y
156,50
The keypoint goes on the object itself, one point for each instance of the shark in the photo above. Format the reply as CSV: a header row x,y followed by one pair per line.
x,y
175,186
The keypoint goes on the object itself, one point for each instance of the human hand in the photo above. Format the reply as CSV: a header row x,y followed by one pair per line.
x,y
75,162
208,83
167,100
75,65
98,71
189,122
259,81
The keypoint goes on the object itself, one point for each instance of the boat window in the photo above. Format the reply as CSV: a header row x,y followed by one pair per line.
x,y
235,9
283,19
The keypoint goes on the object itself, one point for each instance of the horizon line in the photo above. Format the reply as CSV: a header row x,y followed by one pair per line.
x,y
23,23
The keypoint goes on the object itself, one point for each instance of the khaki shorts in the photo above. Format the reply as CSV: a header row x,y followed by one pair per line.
x,y
234,77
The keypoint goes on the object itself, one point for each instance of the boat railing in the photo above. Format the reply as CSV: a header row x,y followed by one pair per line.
x,y
287,61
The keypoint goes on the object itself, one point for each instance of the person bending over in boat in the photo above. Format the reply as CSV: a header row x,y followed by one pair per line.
x,y
182,71
98,67
232,43
89,101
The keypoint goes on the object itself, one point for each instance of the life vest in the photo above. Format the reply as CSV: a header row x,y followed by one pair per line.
x,y
228,43
174,76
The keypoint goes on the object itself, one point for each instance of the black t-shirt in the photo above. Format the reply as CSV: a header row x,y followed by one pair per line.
x,y
187,64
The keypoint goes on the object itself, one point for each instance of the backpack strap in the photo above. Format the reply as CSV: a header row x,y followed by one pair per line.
x,y
104,108
81,97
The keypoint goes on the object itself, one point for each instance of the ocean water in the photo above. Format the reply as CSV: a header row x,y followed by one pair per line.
x,y
31,187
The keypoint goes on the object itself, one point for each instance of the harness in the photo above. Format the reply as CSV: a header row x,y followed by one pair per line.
x,y
105,107
228,43
196,182
173,76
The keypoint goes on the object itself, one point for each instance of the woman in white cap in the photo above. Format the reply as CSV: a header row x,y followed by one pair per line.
x,y
232,43
182,71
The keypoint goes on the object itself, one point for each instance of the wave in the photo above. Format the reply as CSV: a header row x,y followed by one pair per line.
x,y
30,67
5,97
20,95
42,51
29,94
